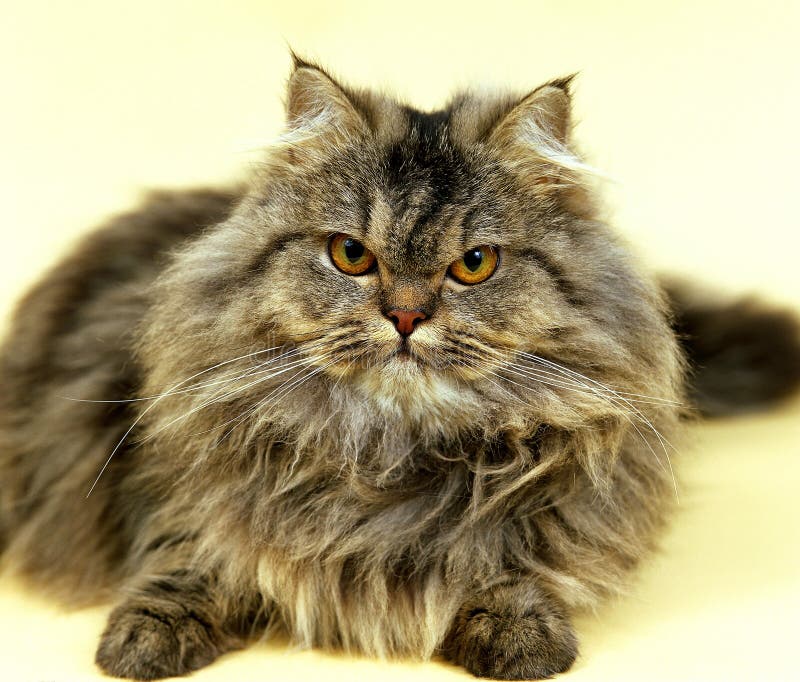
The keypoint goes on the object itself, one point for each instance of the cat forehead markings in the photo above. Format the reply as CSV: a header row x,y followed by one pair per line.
x,y
416,236
419,205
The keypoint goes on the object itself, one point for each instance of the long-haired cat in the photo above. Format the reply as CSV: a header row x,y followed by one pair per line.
x,y
405,394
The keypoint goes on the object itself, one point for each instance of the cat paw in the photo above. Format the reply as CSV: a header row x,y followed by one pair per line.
x,y
148,644
511,646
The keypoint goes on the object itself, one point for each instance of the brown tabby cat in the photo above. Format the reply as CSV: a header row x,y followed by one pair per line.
x,y
404,395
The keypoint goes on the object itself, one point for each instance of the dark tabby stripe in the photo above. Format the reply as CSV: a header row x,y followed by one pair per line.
x,y
261,260
563,283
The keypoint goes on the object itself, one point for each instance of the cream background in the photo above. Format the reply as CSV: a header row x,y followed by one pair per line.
x,y
691,108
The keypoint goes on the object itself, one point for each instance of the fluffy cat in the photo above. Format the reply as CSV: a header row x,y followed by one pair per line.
x,y
403,395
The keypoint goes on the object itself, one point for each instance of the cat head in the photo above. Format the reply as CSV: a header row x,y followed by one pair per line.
x,y
444,270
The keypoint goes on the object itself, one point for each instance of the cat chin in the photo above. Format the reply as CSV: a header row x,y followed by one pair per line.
x,y
405,388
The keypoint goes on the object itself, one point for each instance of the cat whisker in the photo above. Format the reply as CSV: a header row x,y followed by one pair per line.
x,y
587,389
282,391
569,381
569,384
503,389
253,371
623,414
617,402
158,400
277,392
627,401
226,396
302,365
560,368
232,376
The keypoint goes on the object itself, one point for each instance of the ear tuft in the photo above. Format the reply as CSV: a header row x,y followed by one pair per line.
x,y
564,83
299,62
545,112
315,99
533,135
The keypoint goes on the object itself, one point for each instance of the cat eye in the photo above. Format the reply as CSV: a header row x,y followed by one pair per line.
x,y
350,255
475,266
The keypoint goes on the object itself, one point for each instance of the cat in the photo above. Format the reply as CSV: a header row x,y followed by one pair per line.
x,y
405,394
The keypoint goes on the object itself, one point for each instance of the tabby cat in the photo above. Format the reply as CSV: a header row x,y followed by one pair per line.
x,y
405,394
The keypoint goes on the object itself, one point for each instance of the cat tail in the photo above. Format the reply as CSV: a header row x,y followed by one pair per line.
x,y
743,354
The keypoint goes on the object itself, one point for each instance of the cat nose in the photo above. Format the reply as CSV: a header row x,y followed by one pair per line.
x,y
405,321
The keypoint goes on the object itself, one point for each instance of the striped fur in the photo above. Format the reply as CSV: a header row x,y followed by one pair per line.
x,y
285,467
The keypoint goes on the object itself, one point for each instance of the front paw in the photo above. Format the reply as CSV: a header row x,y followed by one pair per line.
x,y
510,645
145,643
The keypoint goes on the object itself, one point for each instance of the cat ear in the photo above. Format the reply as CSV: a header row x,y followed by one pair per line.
x,y
315,102
534,134
545,112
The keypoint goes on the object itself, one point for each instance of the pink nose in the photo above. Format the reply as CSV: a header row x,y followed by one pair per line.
x,y
405,321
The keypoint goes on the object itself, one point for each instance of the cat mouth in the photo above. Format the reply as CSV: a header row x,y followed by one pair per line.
x,y
404,353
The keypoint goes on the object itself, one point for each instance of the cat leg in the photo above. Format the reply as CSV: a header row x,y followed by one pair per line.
x,y
512,631
172,624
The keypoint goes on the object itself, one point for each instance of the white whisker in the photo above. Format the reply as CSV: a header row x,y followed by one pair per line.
x,y
569,381
303,365
602,391
158,400
282,390
609,390
225,396
562,370
231,376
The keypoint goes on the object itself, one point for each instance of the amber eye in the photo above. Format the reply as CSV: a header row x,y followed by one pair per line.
x,y
350,255
475,266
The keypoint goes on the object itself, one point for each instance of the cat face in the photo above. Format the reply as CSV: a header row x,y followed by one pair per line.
x,y
412,248
435,263
414,264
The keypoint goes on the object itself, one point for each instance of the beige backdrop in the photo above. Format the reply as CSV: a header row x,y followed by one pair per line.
x,y
690,107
